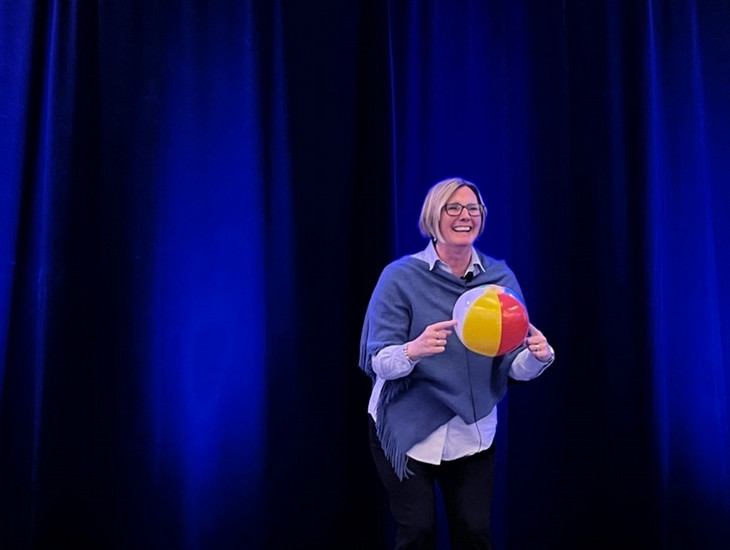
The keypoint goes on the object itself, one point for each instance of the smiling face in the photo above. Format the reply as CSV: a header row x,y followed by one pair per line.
x,y
462,229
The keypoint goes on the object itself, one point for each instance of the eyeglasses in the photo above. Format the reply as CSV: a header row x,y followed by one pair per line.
x,y
455,208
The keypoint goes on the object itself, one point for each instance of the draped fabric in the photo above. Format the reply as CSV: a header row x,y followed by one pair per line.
x,y
197,199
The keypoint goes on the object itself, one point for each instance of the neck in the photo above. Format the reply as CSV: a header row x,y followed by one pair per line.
x,y
456,257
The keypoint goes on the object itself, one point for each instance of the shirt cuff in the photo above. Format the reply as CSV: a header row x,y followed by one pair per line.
x,y
526,366
391,363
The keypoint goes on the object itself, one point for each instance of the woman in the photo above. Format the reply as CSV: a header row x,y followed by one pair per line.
x,y
433,405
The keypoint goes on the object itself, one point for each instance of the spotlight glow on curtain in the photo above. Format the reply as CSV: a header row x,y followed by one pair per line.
x,y
210,229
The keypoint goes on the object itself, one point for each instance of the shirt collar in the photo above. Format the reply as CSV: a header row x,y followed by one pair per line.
x,y
433,260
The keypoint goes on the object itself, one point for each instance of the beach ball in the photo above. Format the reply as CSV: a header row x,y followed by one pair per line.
x,y
492,320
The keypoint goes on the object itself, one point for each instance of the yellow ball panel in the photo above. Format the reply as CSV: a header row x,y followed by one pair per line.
x,y
482,329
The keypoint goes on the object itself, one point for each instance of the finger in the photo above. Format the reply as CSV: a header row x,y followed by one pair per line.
x,y
444,325
539,344
533,330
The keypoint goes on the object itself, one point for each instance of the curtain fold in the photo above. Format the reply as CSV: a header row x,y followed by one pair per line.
x,y
689,289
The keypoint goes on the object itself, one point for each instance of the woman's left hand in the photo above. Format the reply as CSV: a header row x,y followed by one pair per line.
x,y
538,344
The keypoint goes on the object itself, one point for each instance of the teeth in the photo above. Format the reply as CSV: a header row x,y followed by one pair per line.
x,y
462,228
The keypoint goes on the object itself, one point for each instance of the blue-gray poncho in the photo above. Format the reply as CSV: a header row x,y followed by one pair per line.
x,y
407,298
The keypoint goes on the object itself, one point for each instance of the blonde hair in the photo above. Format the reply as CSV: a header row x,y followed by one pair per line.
x,y
436,199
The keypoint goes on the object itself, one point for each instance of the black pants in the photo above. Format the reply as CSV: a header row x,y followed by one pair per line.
x,y
466,485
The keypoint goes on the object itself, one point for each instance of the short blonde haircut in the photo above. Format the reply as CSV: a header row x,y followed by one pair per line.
x,y
436,199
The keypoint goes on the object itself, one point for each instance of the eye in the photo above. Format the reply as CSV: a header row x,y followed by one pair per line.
x,y
473,209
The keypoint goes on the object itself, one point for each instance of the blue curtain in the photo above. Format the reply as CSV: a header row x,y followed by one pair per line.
x,y
198,197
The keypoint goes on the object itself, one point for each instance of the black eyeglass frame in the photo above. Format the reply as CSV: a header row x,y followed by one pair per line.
x,y
478,209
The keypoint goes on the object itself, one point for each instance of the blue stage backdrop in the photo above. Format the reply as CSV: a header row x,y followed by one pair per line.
x,y
197,198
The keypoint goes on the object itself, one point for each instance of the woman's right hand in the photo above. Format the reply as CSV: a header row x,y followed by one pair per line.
x,y
431,341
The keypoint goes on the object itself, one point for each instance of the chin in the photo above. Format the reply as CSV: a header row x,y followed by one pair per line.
x,y
461,242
